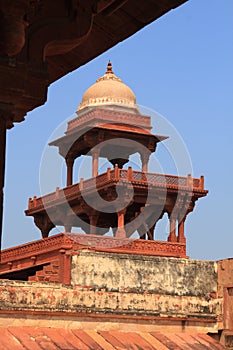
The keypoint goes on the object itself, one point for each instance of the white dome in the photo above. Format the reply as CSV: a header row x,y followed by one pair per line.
x,y
108,90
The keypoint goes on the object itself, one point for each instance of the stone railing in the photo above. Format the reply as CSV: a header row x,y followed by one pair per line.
x,y
129,245
115,175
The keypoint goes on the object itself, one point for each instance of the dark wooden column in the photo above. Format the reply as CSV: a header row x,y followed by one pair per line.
x,y
2,168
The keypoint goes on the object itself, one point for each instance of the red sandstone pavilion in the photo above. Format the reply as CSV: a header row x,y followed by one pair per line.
x,y
109,125
90,291
94,291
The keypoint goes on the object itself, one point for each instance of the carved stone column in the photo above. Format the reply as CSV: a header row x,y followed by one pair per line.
x,y
181,238
95,162
68,227
120,233
93,222
145,156
172,235
150,232
65,266
69,164
142,232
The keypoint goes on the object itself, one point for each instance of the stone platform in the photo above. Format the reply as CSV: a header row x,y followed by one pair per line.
x,y
60,282
49,259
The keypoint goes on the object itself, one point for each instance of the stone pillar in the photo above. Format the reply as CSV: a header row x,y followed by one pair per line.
x,y
181,238
172,235
150,232
120,233
142,232
69,177
68,227
65,267
2,168
145,156
95,162
93,223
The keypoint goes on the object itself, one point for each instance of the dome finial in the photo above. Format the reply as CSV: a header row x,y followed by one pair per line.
x,y
109,68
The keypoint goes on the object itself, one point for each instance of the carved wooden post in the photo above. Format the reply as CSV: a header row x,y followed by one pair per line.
x,y
69,164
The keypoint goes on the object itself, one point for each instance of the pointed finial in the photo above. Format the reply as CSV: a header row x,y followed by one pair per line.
x,y
109,68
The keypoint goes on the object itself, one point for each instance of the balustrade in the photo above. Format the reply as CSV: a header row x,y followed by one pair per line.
x,y
115,175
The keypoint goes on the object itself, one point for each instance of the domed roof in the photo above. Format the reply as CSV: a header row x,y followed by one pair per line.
x,y
108,90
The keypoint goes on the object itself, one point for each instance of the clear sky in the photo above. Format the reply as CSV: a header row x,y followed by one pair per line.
x,y
180,66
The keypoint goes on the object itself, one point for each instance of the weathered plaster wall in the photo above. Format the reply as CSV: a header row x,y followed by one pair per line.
x,y
19,296
139,274
176,292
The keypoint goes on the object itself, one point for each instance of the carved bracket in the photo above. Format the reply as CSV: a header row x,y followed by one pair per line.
x,y
44,224
60,34
12,26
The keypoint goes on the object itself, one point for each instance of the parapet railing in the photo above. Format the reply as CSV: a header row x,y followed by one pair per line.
x,y
115,175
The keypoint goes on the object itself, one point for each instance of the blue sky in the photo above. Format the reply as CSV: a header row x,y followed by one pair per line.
x,y
180,66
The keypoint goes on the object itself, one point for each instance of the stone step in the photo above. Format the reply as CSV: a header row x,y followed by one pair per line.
x,y
49,273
